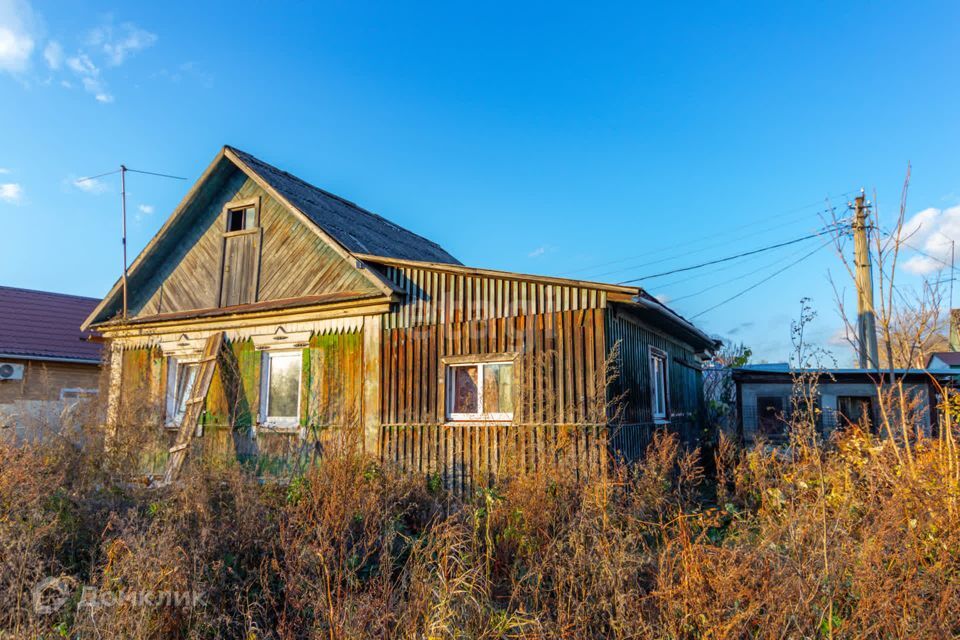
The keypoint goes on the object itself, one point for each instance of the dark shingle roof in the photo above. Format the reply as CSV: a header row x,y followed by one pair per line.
x,y
357,229
40,324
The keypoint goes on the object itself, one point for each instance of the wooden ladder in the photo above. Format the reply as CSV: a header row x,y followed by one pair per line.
x,y
191,417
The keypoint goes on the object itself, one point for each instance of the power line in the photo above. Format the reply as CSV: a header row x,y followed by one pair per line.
x,y
734,257
737,278
831,207
760,282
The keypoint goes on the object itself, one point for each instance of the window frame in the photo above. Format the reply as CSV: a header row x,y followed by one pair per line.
x,y
236,205
779,418
173,364
654,355
264,419
450,363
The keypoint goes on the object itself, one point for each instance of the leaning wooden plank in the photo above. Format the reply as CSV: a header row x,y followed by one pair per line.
x,y
188,426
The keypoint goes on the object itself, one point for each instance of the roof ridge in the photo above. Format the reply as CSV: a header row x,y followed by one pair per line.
x,y
330,194
48,293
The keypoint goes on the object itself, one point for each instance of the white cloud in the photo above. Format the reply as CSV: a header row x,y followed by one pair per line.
x,y
4,171
89,74
931,231
94,186
18,35
536,253
146,209
118,43
53,54
11,192
662,298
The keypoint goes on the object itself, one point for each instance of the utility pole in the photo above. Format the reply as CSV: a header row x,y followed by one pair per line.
x,y
866,316
123,213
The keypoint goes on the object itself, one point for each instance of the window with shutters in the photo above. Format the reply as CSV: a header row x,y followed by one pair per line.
x,y
241,253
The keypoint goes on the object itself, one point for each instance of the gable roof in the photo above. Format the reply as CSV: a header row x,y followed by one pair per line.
x,y
40,325
358,230
949,358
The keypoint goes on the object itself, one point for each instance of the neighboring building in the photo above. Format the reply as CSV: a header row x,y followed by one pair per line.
x,y
846,396
944,361
335,317
46,361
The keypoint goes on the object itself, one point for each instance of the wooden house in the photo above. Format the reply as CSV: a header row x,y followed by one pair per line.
x,y
46,363
334,319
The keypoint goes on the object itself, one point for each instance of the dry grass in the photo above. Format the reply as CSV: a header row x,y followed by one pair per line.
x,y
845,540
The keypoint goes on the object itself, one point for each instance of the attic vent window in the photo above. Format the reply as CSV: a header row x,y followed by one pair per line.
x,y
242,219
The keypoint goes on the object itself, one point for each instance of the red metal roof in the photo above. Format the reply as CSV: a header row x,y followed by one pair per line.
x,y
42,325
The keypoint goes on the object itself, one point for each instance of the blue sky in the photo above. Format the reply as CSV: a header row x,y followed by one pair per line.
x,y
548,138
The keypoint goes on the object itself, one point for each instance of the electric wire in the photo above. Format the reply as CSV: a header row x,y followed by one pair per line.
x,y
832,206
739,277
760,282
734,257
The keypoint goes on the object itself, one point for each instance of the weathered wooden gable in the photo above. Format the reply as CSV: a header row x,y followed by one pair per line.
x,y
183,272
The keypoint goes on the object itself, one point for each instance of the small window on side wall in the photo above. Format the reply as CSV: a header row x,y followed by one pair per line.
x,y
659,401
280,389
480,391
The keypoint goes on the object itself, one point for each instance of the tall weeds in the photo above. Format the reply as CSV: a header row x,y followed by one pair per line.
x,y
840,539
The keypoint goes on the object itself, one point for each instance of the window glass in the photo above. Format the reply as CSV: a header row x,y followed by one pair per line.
x,y
283,392
465,395
185,375
480,391
658,374
498,388
241,219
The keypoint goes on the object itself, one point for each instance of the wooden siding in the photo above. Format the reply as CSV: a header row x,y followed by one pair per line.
x,y
434,297
557,331
685,393
330,392
294,262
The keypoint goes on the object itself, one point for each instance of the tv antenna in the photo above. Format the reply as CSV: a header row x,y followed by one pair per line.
x,y
123,212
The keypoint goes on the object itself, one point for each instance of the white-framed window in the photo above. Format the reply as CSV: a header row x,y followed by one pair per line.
x,y
280,389
480,391
181,378
659,385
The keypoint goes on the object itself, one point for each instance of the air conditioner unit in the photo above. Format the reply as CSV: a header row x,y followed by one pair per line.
x,y
11,371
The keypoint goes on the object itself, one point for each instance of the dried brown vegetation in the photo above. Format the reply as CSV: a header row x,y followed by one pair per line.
x,y
846,540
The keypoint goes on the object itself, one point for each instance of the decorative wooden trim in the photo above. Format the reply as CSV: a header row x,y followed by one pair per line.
x,y
296,314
